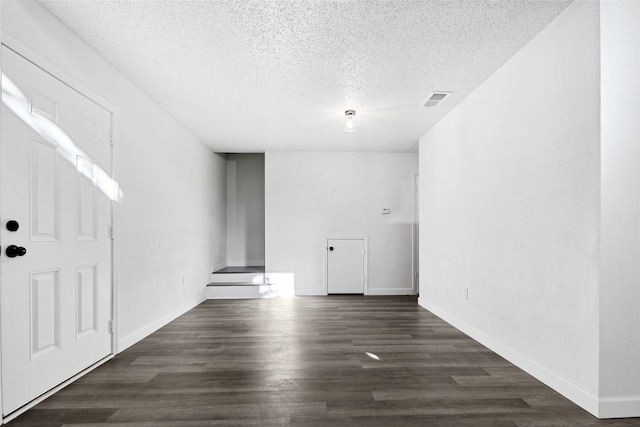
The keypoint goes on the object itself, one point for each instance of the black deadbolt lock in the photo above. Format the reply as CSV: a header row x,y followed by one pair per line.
x,y
13,225
13,251
330,248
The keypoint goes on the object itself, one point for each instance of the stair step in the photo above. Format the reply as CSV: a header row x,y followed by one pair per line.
x,y
237,278
236,290
237,284
250,285
244,269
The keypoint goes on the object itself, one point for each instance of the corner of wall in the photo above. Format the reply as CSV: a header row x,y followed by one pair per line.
x,y
619,407
559,383
145,331
510,209
619,287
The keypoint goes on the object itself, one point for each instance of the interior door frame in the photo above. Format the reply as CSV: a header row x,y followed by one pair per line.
x,y
415,236
67,79
325,252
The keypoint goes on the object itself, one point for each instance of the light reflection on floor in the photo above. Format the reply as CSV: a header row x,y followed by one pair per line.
x,y
372,355
277,285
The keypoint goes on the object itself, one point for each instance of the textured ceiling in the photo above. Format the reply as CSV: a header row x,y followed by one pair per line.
x,y
263,75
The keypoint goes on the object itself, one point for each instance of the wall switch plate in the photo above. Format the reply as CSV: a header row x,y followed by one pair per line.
x,y
385,211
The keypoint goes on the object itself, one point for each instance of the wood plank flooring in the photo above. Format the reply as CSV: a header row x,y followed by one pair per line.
x,y
311,361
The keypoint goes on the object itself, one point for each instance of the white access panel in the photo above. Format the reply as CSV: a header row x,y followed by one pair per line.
x,y
346,266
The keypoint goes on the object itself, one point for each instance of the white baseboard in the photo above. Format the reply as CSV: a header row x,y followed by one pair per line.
x,y
391,291
619,407
147,330
554,380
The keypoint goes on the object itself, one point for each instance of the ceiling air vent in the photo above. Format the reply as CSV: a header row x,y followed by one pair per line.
x,y
435,99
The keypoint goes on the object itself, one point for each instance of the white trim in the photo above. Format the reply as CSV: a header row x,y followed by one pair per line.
x,y
562,385
391,291
54,390
150,328
619,407
66,78
115,207
2,420
415,239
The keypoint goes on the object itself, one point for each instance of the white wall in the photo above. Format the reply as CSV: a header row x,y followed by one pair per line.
x,y
166,174
510,191
314,195
620,181
245,209
218,211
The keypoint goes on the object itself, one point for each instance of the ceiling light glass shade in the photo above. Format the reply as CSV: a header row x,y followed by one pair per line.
x,y
350,126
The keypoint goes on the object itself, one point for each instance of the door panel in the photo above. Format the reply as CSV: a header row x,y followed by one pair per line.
x,y
86,218
45,191
87,300
55,300
345,266
45,312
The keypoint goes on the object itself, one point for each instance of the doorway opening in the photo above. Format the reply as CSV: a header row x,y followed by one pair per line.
x,y
243,272
245,210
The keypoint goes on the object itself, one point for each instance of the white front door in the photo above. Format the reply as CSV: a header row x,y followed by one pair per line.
x,y
55,265
345,266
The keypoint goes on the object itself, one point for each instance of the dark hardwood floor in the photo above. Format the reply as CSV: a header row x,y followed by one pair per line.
x,y
312,361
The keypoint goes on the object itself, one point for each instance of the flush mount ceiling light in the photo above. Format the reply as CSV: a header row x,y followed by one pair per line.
x,y
350,126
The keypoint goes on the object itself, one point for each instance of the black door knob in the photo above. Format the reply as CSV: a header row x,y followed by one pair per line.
x,y
12,225
331,248
14,251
